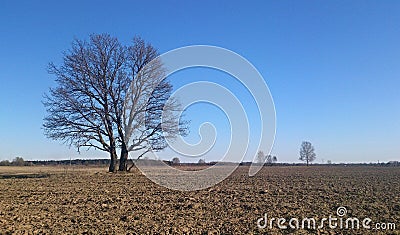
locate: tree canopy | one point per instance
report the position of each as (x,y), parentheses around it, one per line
(110,96)
(307,153)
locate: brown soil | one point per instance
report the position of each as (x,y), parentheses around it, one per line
(91,201)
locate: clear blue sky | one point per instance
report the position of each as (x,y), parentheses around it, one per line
(333,67)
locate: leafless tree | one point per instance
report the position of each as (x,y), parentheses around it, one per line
(110,96)
(19,161)
(274,159)
(149,115)
(79,108)
(260,157)
(5,163)
(307,153)
(268,159)
(176,161)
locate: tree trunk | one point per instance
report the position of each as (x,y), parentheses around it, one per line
(307,161)
(113,162)
(123,160)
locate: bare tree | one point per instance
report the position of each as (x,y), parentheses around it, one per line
(268,159)
(110,96)
(176,160)
(79,108)
(18,161)
(261,157)
(274,159)
(5,163)
(149,115)
(307,153)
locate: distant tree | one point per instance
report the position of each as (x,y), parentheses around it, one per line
(201,161)
(18,161)
(393,163)
(261,157)
(268,159)
(274,159)
(307,153)
(5,163)
(329,162)
(176,160)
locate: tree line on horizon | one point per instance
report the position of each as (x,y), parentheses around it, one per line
(307,154)
(19,161)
